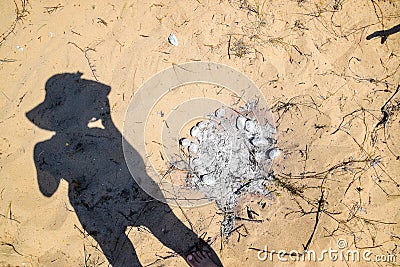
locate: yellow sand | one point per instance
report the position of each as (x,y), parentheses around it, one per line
(312,62)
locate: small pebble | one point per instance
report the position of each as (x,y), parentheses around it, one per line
(202,125)
(250,126)
(259,142)
(240,122)
(274,153)
(195,131)
(208,179)
(194,148)
(219,113)
(172,39)
(185,142)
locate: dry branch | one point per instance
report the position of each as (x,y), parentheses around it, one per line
(20,15)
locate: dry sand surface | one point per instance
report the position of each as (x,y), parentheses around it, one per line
(332,93)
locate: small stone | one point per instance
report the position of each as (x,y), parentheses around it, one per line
(208,179)
(259,142)
(274,153)
(219,113)
(172,39)
(194,180)
(240,122)
(194,148)
(195,131)
(185,142)
(250,126)
(202,125)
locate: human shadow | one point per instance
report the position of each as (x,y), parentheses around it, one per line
(384,34)
(101,189)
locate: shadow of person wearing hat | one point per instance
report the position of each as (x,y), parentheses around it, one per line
(103,193)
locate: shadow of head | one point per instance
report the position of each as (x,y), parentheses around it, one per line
(70,102)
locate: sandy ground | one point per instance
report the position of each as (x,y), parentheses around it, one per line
(326,84)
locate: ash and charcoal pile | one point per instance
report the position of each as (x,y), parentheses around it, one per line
(229,156)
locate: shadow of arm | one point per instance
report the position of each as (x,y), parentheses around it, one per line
(48,183)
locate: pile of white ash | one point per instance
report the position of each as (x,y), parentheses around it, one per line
(229,156)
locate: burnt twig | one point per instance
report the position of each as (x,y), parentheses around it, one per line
(21,13)
(317,216)
(85,52)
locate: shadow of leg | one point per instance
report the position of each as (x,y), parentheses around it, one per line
(117,248)
(173,233)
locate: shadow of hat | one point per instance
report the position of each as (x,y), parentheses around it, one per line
(70,101)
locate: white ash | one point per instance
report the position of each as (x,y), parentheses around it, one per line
(229,156)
